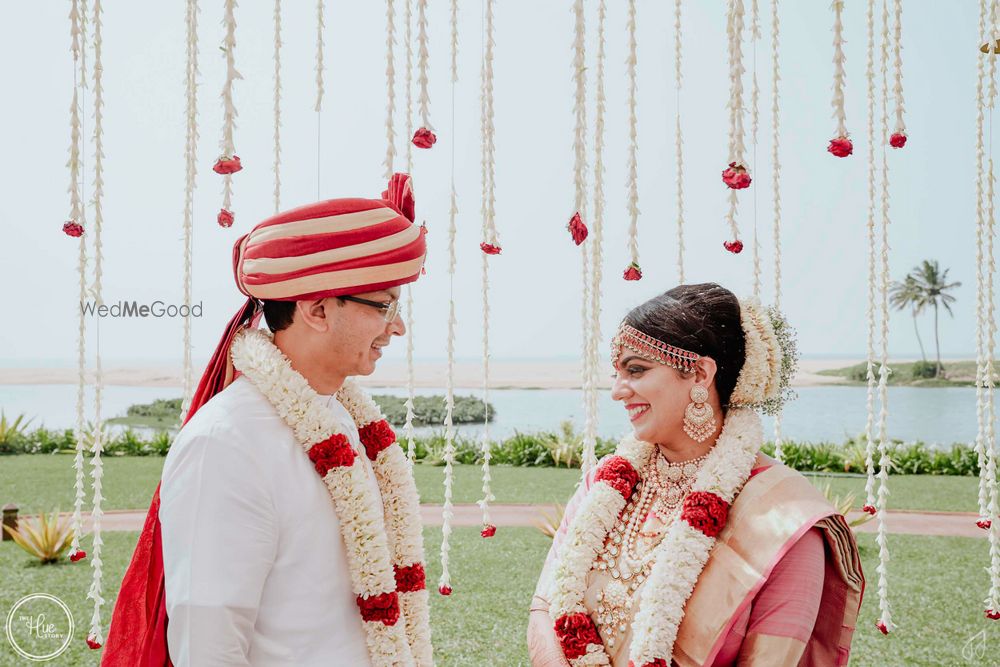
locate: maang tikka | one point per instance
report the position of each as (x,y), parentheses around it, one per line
(699,418)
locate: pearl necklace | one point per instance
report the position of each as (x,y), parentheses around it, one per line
(662,491)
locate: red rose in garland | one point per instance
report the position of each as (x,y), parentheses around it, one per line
(376,436)
(618,473)
(444,590)
(73,229)
(633,272)
(93,643)
(225,218)
(705,512)
(574,632)
(490,249)
(226,165)
(993,615)
(882,628)
(424,138)
(898,139)
(381,608)
(577,229)
(736,176)
(489,530)
(735,247)
(840,147)
(984,524)
(333,452)
(409,579)
(78,556)
(869,508)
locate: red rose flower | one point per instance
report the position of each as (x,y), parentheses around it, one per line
(382,608)
(444,590)
(490,249)
(870,509)
(411,578)
(897,140)
(93,643)
(735,247)
(618,473)
(705,512)
(225,218)
(424,138)
(574,632)
(400,194)
(227,165)
(577,229)
(736,176)
(489,530)
(984,524)
(73,229)
(376,436)
(841,147)
(633,272)
(333,452)
(881,627)
(78,556)
(993,615)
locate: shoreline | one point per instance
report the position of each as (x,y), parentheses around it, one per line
(467,375)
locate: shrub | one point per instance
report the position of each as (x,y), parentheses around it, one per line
(923,370)
(46,538)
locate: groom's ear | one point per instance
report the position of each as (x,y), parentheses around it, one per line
(315,313)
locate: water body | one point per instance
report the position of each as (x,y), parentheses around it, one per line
(828,413)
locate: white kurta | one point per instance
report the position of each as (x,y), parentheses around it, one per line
(255,566)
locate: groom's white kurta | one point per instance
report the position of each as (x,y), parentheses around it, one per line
(255,566)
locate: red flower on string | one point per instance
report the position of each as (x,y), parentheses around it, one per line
(993,615)
(633,272)
(333,452)
(984,524)
(382,608)
(574,632)
(882,628)
(490,249)
(736,176)
(869,508)
(225,218)
(226,165)
(489,530)
(93,643)
(444,590)
(841,147)
(618,473)
(705,512)
(411,578)
(78,556)
(898,139)
(735,247)
(376,436)
(424,138)
(577,229)
(73,229)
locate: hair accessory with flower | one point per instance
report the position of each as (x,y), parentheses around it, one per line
(770,360)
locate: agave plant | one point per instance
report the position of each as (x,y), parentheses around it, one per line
(46,540)
(565,447)
(11,430)
(845,505)
(549,521)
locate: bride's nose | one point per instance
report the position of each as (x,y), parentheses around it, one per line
(620,390)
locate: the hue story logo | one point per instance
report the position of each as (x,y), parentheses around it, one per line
(39,627)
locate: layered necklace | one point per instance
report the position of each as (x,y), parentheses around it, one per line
(629,550)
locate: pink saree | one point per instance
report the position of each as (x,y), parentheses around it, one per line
(782,586)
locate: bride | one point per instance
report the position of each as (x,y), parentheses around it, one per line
(688,546)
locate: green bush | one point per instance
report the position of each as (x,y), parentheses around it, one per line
(924,370)
(430,410)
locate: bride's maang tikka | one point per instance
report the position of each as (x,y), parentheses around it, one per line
(651,349)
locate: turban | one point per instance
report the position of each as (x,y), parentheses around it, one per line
(330,248)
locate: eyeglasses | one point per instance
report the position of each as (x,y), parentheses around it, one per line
(390,309)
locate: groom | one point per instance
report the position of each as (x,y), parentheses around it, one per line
(248,556)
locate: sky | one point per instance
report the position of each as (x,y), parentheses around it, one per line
(535,285)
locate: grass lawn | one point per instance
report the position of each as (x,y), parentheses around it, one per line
(39,482)
(936,589)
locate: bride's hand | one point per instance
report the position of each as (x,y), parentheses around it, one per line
(543,647)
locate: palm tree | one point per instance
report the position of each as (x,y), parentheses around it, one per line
(907,294)
(934,286)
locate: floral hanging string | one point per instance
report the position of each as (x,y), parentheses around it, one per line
(776,185)
(632,271)
(899,136)
(424,137)
(840,145)
(390,84)
(277,105)
(228,163)
(679,143)
(190,174)
(736,176)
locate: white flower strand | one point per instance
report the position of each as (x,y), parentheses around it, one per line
(424,100)
(734,33)
(897,87)
(885,610)
(228,107)
(679,143)
(408,41)
(981,175)
(776,185)
(597,257)
(754,123)
(839,73)
(190,173)
(97,434)
(277,105)
(870,442)
(390,84)
(631,169)
(320,25)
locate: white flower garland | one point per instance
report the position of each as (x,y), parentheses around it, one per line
(228,106)
(320,25)
(408,40)
(679,143)
(839,74)
(408,424)
(897,88)
(277,105)
(679,558)
(981,229)
(631,168)
(390,84)
(776,185)
(734,33)
(870,442)
(423,56)
(759,380)
(190,174)
(377,539)
(754,126)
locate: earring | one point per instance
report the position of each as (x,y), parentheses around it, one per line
(699,418)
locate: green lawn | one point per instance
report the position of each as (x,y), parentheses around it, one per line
(45,482)
(936,588)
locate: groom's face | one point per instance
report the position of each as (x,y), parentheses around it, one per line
(359,331)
